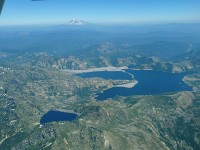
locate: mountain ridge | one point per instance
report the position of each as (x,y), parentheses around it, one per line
(77,22)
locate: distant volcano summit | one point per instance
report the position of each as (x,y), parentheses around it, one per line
(77,22)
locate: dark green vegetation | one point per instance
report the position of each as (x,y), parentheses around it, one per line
(33,83)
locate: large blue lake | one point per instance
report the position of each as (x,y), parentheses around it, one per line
(149,82)
(56,116)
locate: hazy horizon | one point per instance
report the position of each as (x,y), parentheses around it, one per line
(100,12)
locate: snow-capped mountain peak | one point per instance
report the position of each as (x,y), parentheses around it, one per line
(77,22)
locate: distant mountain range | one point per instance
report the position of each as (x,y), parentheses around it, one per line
(77,22)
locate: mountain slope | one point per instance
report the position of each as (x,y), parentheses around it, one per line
(77,22)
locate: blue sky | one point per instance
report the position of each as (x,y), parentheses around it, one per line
(100,11)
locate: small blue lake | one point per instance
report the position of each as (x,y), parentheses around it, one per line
(149,82)
(56,116)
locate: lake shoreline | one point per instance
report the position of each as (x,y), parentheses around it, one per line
(128,85)
(110,68)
